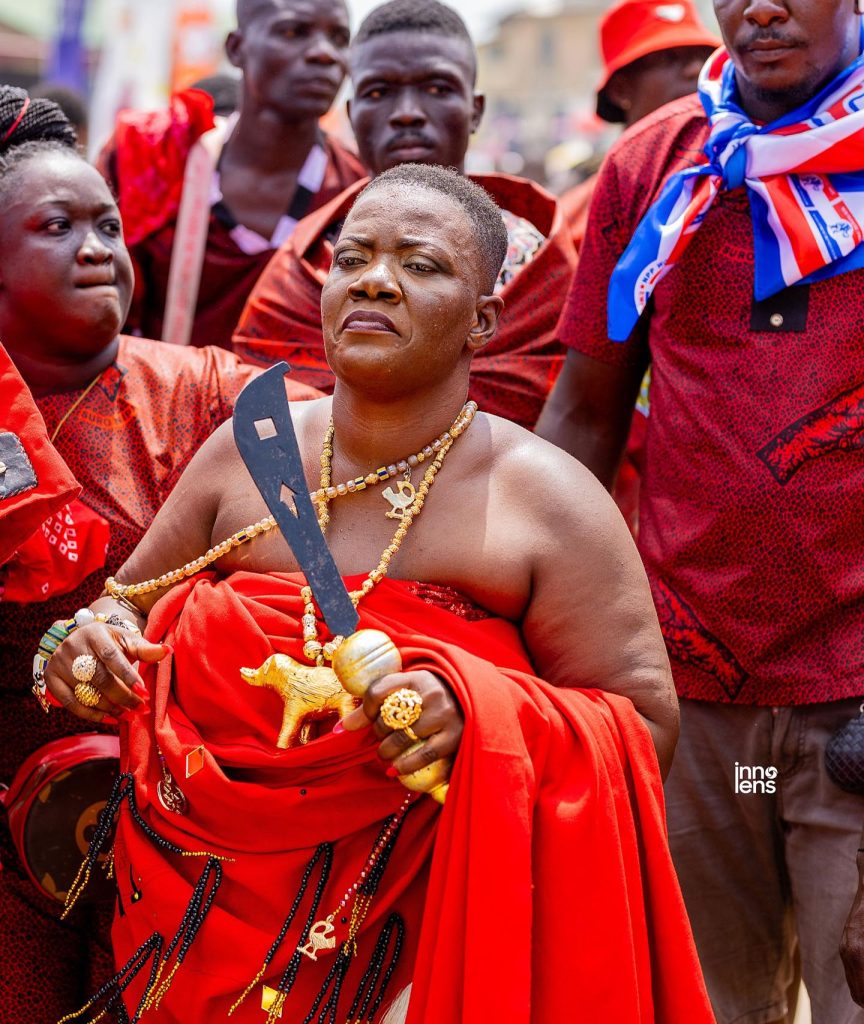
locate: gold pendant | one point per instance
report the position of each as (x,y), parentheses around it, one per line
(194,761)
(322,935)
(269,999)
(400,502)
(309,692)
(171,796)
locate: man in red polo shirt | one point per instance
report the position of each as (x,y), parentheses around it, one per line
(743,287)
(413,67)
(653,52)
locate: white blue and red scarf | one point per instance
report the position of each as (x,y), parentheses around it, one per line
(804,175)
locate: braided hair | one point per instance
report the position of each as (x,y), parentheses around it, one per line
(29,127)
(23,119)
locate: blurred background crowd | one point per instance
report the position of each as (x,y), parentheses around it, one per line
(110,54)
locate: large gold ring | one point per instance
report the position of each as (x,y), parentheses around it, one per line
(401,710)
(84,667)
(87,695)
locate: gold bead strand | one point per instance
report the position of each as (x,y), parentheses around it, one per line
(167,579)
(327,492)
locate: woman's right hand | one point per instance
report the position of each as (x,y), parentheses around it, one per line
(115,650)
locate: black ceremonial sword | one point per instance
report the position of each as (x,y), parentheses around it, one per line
(265,437)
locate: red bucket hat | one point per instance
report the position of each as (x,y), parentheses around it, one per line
(634,28)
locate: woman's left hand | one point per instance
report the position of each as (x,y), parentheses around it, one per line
(440,724)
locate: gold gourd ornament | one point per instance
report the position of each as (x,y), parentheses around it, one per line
(362,659)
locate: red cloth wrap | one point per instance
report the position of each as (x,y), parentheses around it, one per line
(551,894)
(510,377)
(22,514)
(150,148)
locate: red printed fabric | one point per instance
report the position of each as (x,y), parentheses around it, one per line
(542,891)
(511,377)
(68,546)
(575,204)
(21,514)
(145,162)
(750,523)
(127,443)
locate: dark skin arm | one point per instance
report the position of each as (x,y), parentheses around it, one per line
(589,410)
(589,621)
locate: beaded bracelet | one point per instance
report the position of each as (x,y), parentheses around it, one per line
(56,633)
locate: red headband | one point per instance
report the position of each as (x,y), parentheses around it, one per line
(18,120)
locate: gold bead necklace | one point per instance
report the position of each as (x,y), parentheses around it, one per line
(313,649)
(327,492)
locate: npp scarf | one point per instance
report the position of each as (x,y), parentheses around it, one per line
(805,179)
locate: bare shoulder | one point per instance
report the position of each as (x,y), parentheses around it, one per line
(222,446)
(544,481)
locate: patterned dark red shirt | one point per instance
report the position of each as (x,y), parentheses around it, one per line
(750,517)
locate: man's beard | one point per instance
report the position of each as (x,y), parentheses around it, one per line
(791,97)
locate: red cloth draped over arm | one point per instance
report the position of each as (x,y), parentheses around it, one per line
(22,514)
(145,160)
(551,894)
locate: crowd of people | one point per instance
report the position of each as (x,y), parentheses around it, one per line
(643,819)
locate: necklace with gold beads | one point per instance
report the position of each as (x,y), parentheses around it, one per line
(406,491)
(313,649)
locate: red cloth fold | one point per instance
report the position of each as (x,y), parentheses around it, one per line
(150,148)
(22,514)
(551,894)
(511,377)
(59,556)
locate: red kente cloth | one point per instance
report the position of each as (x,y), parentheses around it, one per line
(144,162)
(511,377)
(550,891)
(22,514)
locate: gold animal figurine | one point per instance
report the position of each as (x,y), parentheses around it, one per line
(309,694)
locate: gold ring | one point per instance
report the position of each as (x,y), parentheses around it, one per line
(409,732)
(401,710)
(87,695)
(84,667)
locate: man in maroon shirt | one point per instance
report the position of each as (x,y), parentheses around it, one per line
(750,526)
(253,176)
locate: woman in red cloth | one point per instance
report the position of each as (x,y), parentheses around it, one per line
(269,877)
(125,415)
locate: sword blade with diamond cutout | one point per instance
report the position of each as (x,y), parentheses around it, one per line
(265,437)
